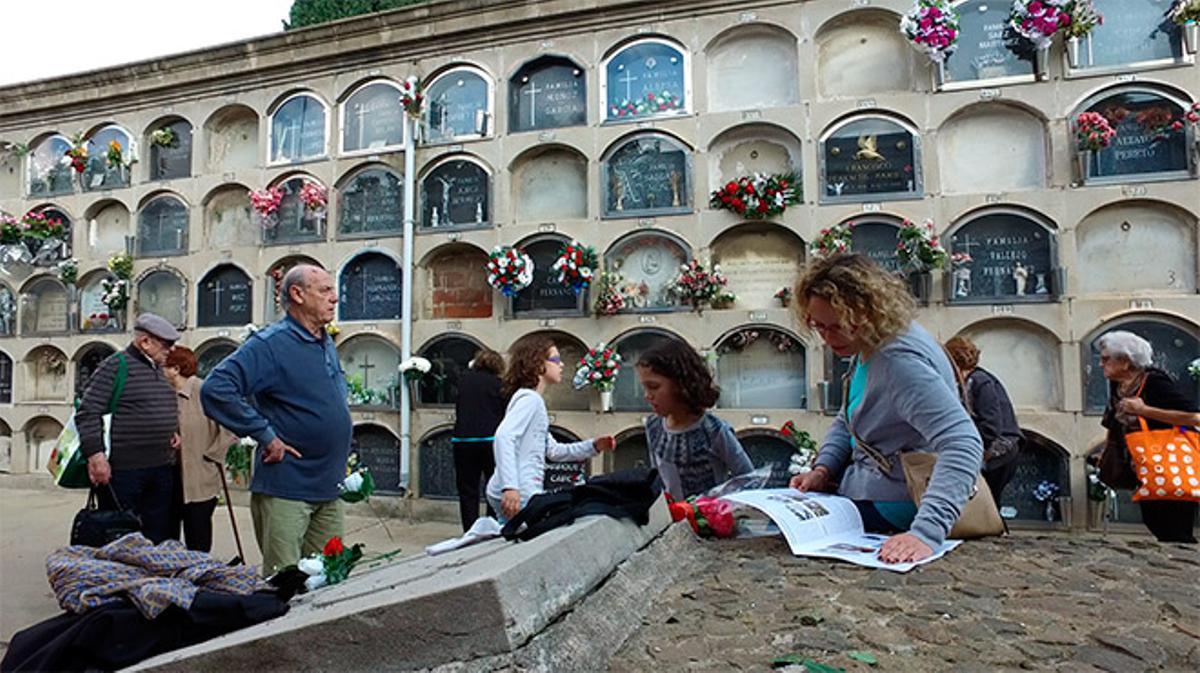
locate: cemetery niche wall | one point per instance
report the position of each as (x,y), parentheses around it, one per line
(769,448)
(45,375)
(459,105)
(545,295)
(647,263)
(759,259)
(989,52)
(224,297)
(294,221)
(1025,357)
(162,291)
(437,465)
(549,185)
(1135,33)
(87,360)
(992,147)
(748,149)
(752,67)
(46,174)
(6,378)
(1147,146)
(449,357)
(456,194)
(1136,247)
(456,283)
(1176,344)
(371,203)
(273,308)
(372,366)
(761,367)
(631,451)
(210,354)
(1012,256)
(369,288)
(565,397)
(111,153)
(1041,460)
(647,174)
(162,227)
(231,134)
(372,118)
(870,158)
(45,307)
(170,143)
(299,125)
(228,224)
(379,450)
(41,435)
(649,77)
(94,314)
(108,228)
(548,92)
(627,393)
(861,53)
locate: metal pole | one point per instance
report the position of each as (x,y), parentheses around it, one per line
(406,286)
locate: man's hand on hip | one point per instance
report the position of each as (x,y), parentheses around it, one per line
(276,450)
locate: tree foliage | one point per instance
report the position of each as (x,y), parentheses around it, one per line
(312,12)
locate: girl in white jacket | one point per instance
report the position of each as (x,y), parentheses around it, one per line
(523,442)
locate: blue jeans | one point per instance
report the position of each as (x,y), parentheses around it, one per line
(150,493)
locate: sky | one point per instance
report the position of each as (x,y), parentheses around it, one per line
(49,38)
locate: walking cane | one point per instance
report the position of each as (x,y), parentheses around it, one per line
(240,560)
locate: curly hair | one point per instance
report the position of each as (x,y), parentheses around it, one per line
(488,360)
(867,298)
(680,363)
(183,359)
(963,352)
(526,362)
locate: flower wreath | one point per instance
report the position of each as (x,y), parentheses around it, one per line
(576,266)
(509,270)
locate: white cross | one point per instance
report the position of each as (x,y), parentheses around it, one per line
(366,368)
(362,113)
(532,91)
(215,286)
(628,79)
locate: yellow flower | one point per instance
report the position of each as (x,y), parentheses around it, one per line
(114,145)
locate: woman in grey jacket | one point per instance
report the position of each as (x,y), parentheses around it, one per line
(901,396)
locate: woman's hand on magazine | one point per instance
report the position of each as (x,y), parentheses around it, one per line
(816,479)
(904,548)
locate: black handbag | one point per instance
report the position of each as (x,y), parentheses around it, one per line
(95,527)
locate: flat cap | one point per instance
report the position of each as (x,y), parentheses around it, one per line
(156,326)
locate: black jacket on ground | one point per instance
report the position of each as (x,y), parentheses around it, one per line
(480,405)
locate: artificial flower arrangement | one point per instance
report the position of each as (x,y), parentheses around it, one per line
(121,265)
(331,566)
(38,225)
(509,270)
(1084,19)
(598,368)
(163,137)
(609,298)
(575,266)
(931,26)
(647,104)
(758,196)
(1093,132)
(266,202)
(1097,490)
(358,485)
(835,240)
(68,271)
(1184,12)
(359,395)
(411,97)
(919,249)
(10,230)
(113,155)
(313,196)
(698,287)
(238,459)
(415,368)
(1194,369)
(784,295)
(805,456)
(1040,20)
(77,156)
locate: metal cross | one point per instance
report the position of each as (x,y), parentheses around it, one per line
(965,244)
(366,368)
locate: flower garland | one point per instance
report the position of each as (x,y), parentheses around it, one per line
(1084,19)
(576,266)
(1184,11)
(931,26)
(509,270)
(598,368)
(805,457)
(313,196)
(648,104)
(331,566)
(835,240)
(415,368)
(163,137)
(411,97)
(1093,132)
(609,300)
(697,287)
(919,249)
(1039,20)
(758,196)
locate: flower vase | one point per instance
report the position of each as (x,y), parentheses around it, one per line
(1043,62)
(606,401)
(1083,164)
(920,284)
(1073,46)
(1191,36)
(1064,510)
(939,74)
(1050,511)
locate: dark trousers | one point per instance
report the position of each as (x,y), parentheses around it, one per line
(197,524)
(1170,521)
(150,493)
(473,464)
(998,473)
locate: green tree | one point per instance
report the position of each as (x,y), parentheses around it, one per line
(312,12)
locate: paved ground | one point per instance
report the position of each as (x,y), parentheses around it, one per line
(34,523)
(1058,603)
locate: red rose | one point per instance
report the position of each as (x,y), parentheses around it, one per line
(749,189)
(731,188)
(334,546)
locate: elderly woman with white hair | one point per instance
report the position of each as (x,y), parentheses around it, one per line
(1137,389)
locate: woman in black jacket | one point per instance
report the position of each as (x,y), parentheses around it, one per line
(477,413)
(1137,389)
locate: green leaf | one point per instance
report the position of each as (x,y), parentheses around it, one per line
(864,657)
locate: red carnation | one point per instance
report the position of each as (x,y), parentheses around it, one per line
(731,188)
(334,546)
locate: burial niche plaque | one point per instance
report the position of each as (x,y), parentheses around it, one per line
(1145,142)
(379,450)
(647,175)
(163,293)
(546,294)
(870,157)
(455,195)
(370,288)
(173,159)
(6,379)
(46,307)
(877,240)
(1134,31)
(294,221)
(647,263)
(94,314)
(87,364)
(646,79)
(1012,259)
(372,204)
(761,368)
(758,259)
(437,466)
(987,49)
(564,475)
(769,450)
(458,107)
(1174,348)
(374,364)
(373,118)
(449,358)
(47,174)
(210,356)
(163,227)
(298,130)
(226,298)
(546,94)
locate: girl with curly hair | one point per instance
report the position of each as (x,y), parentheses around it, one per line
(692,448)
(523,441)
(901,396)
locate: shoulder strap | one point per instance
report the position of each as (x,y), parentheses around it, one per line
(882,462)
(118,383)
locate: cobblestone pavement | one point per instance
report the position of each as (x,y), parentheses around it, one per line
(1057,603)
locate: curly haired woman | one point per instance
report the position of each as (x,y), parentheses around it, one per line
(692,449)
(523,441)
(901,396)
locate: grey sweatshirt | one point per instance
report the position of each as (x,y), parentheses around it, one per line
(910,403)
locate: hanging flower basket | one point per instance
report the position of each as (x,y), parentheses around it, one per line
(1038,21)
(1186,15)
(697,287)
(835,240)
(758,196)
(509,270)
(575,266)
(314,197)
(411,97)
(931,26)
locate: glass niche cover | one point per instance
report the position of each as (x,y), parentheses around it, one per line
(647,175)
(869,158)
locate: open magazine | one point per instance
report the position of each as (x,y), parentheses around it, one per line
(826,526)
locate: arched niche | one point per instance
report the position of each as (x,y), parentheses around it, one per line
(273,309)
(546,93)
(648,77)
(753,66)
(870,157)
(876,237)
(1040,460)
(459,104)
(861,53)
(769,448)
(372,118)
(170,143)
(1013,257)
(748,149)
(46,174)
(50,251)
(369,288)
(227,221)
(448,356)
(647,263)
(108,228)
(5,438)
(1136,246)
(545,295)
(111,150)
(45,375)
(163,292)
(759,259)
(456,194)
(6,379)
(372,366)
(371,203)
(1134,33)
(378,449)
(1176,344)
(631,451)
(456,283)
(988,52)
(647,173)
(8,311)
(550,185)
(564,397)
(224,297)
(210,354)
(436,455)
(992,148)
(45,307)
(299,126)
(231,134)
(294,222)
(627,393)
(163,222)
(94,314)
(760,367)
(87,360)
(1147,146)
(1026,359)
(41,436)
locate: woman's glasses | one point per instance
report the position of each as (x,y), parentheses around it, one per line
(823,327)
(555,359)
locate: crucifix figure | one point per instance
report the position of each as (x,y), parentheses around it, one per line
(532,91)
(447,185)
(366,368)
(216,288)
(628,79)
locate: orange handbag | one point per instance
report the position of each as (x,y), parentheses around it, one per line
(1167,462)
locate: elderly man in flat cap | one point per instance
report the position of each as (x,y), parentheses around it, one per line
(141,464)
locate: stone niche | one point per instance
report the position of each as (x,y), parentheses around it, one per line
(94,314)
(227,221)
(107,228)
(458,106)
(87,360)
(762,368)
(1147,146)
(371,203)
(45,377)
(10,182)
(758,258)
(1136,246)
(647,174)
(373,363)
(548,92)
(457,284)
(448,357)
(232,136)
(163,227)
(767,448)
(628,394)
(5,437)
(565,397)
(378,449)
(545,295)
(1025,358)
(862,53)
(648,263)
(753,66)
(992,148)
(437,465)
(211,353)
(41,435)
(647,78)
(373,118)
(45,307)
(173,160)
(1134,31)
(272,309)
(225,297)
(631,451)
(1040,460)
(550,185)
(6,379)
(369,288)
(163,292)
(8,311)
(876,237)
(456,194)
(1013,258)
(47,175)
(752,148)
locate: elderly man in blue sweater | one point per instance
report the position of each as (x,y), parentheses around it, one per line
(286,389)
